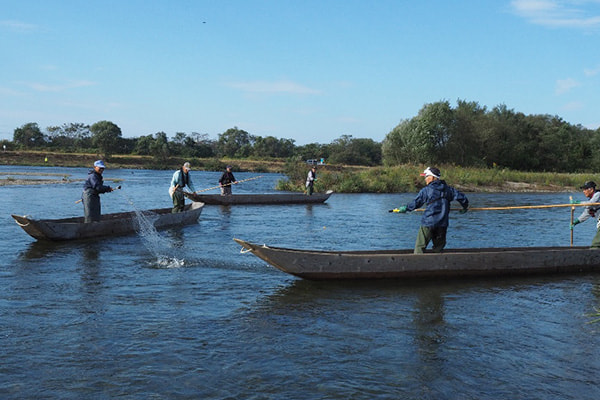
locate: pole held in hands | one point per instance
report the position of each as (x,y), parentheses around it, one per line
(113,189)
(227,184)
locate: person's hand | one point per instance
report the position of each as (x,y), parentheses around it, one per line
(575,201)
(577,221)
(464,210)
(399,210)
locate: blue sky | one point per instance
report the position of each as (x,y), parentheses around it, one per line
(306,70)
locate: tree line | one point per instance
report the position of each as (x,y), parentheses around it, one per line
(467,135)
(106,138)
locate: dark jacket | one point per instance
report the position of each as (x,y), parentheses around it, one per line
(226,178)
(437,197)
(95,182)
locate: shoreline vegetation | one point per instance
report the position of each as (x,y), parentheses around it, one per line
(340,178)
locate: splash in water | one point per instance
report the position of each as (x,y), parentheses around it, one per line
(160,247)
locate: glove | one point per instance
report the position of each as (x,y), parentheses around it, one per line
(575,201)
(577,221)
(400,209)
(464,210)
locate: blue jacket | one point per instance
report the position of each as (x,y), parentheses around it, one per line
(95,182)
(437,197)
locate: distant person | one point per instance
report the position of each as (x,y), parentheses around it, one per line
(310,180)
(589,191)
(227,179)
(92,187)
(181,179)
(437,195)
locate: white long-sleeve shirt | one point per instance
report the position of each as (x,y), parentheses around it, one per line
(590,211)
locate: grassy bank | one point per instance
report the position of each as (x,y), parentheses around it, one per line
(86,160)
(406,178)
(342,179)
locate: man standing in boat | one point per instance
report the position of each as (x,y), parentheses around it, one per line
(227,179)
(437,196)
(92,187)
(589,191)
(310,180)
(181,178)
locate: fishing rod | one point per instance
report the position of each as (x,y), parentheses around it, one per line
(80,200)
(573,205)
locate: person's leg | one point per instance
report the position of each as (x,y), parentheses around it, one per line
(596,240)
(423,238)
(439,238)
(178,202)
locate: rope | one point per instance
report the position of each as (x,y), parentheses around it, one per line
(22,225)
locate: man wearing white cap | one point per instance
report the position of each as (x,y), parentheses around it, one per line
(92,187)
(181,178)
(437,195)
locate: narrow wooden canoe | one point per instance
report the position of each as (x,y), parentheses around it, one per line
(320,265)
(110,225)
(267,198)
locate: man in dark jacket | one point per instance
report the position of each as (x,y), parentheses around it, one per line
(227,179)
(92,187)
(437,196)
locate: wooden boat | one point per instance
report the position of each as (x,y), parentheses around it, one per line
(110,225)
(267,198)
(320,265)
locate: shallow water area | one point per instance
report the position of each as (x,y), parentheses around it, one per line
(182,313)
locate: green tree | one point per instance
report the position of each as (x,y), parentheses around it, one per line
(106,137)
(348,150)
(234,142)
(159,148)
(272,147)
(29,136)
(73,136)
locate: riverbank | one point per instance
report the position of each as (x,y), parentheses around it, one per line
(341,179)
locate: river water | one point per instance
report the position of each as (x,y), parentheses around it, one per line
(185,315)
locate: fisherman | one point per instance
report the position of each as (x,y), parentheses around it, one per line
(310,180)
(227,179)
(181,179)
(437,195)
(589,191)
(92,187)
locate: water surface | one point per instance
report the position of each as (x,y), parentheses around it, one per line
(185,315)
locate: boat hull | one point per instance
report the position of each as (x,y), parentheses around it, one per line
(267,198)
(110,225)
(404,264)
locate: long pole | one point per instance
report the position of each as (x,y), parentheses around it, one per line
(227,184)
(572,215)
(520,207)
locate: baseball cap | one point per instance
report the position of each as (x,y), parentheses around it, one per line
(99,164)
(588,184)
(432,171)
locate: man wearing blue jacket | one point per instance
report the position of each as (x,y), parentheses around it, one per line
(437,196)
(92,188)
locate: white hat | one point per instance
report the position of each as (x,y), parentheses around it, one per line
(432,171)
(99,164)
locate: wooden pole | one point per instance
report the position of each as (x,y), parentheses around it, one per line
(572,214)
(227,184)
(520,207)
